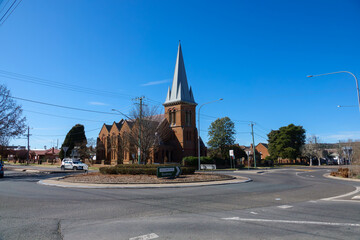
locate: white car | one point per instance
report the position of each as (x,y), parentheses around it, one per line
(73,164)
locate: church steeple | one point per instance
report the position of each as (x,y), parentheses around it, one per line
(180,91)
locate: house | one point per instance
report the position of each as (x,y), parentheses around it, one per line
(262,148)
(175,129)
(44,155)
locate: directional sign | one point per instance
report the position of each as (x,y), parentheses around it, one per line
(171,172)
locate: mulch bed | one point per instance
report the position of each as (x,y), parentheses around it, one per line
(142,179)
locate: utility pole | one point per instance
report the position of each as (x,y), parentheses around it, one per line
(140,116)
(28,146)
(252,133)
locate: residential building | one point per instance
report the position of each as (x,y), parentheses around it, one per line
(262,148)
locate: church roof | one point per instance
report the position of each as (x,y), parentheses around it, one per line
(179,91)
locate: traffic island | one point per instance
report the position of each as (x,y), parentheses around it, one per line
(97,180)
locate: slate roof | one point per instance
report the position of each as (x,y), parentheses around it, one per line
(108,127)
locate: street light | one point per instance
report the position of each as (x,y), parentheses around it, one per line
(357,84)
(341,106)
(199,128)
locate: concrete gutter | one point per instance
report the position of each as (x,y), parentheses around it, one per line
(57,183)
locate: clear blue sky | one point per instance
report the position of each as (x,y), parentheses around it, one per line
(254,54)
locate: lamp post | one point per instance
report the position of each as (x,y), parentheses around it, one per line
(199,128)
(357,83)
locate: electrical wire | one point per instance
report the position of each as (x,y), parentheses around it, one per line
(62,135)
(10,12)
(4,5)
(65,86)
(53,115)
(261,136)
(60,106)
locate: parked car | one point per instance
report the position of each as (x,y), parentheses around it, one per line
(1,169)
(73,164)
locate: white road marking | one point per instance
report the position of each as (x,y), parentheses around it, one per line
(356,197)
(341,196)
(285,206)
(311,176)
(253,213)
(277,199)
(292,222)
(313,201)
(145,237)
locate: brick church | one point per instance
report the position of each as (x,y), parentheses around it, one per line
(179,121)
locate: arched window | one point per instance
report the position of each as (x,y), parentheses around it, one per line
(172,116)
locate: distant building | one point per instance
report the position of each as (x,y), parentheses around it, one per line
(262,148)
(179,120)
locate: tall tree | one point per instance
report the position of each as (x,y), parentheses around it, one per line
(75,138)
(221,134)
(153,131)
(12,123)
(286,142)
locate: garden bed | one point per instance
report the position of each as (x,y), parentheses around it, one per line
(142,179)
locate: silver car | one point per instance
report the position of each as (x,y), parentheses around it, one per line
(73,164)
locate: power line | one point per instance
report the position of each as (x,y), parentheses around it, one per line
(261,136)
(10,12)
(53,115)
(7,10)
(241,121)
(4,5)
(62,135)
(60,106)
(259,129)
(63,86)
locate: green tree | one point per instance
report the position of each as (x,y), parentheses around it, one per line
(75,138)
(286,142)
(221,134)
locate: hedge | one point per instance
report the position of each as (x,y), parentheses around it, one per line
(193,161)
(135,169)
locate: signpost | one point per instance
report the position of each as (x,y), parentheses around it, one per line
(232,157)
(170,172)
(65,150)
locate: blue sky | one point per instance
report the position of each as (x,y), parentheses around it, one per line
(254,54)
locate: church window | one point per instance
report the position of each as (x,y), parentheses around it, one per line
(188,118)
(170,117)
(174,117)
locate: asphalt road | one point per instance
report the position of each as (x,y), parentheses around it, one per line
(277,204)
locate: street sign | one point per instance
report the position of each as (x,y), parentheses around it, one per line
(65,150)
(231,153)
(170,172)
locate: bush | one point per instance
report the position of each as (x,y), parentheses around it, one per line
(193,161)
(136,169)
(341,172)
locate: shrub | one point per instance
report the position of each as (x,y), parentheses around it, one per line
(341,172)
(135,169)
(193,161)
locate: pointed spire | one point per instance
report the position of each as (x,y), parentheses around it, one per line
(168,95)
(180,90)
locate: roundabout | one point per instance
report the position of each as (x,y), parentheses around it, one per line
(96,180)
